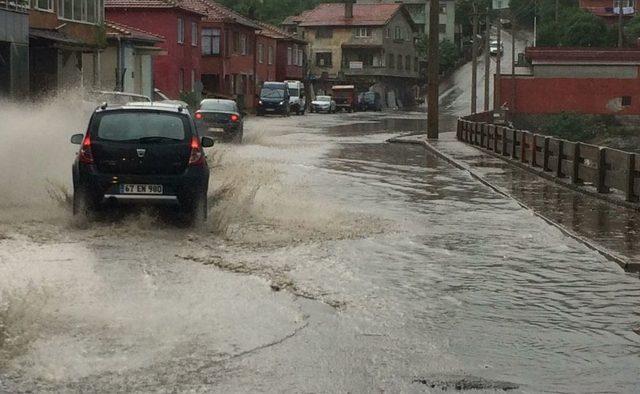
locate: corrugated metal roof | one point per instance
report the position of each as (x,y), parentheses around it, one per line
(559,54)
(277,33)
(333,14)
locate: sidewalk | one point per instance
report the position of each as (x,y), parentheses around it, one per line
(610,229)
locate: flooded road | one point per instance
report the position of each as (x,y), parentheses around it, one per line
(332,262)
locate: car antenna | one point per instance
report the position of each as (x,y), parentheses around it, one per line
(103,105)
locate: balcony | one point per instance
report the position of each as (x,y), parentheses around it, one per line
(357,69)
(15,5)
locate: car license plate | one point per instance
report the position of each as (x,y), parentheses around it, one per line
(216,130)
(140,189)
(271,109)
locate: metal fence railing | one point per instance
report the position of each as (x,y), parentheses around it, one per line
(15,5)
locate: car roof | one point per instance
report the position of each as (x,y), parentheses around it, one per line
(218,100)
(164,107)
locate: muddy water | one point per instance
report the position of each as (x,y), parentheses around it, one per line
(332,262)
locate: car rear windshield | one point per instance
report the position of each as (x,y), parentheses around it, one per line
(215,105)
(272,93)
(138,126)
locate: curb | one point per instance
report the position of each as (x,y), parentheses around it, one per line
(623,262)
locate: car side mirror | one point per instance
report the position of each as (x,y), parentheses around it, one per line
(207,142)
(77,139)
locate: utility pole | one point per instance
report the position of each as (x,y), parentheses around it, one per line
(433,69)
(474,61)
(513,62)
(496,83)
(487,61)
(620,24)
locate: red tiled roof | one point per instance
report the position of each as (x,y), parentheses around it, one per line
(120,30)
(216,12)
(150,4)
(274,32)
(332,14)
(611,55)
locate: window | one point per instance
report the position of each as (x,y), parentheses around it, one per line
(295,55)
(626,101)
(47,5)
(180,31)
(270,55)
(181,80)
(443,28)
(260,53)
(416,64)
(236,42)
(300,58)
(387,32)
(323,59)
(398,35)
(324,32)
(399,62)
(194,34)
(210,41)
(288,56)
(244,46)
(443,9)
(407,63)
(75,10)
(391,62)
(363,32)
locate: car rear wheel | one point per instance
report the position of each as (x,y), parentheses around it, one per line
(237,138)
(84,205)
(196,209)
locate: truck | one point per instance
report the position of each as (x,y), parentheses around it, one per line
(345,97)
(297,100)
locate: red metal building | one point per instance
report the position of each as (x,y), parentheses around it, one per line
(583,80)
(178,70)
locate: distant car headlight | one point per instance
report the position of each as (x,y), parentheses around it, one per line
(259,102)
(281,102)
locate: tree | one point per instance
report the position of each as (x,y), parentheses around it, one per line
(449,56)
(632,30)
(586,30)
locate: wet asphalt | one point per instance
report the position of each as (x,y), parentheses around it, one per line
(332,262)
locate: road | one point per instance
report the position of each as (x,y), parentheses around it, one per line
(332,262)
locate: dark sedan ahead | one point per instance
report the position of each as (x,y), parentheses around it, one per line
(220,119)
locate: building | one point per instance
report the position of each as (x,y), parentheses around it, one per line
(177,70)
(127,61)
(14,48)
(228,52)
(419,11)
(582,80)
(369,45)
(608,9)
(65,40)
(290,54)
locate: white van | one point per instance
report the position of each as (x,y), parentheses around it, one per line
(297,100)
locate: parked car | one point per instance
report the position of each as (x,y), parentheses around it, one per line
(369,101)
(323,104)
(494,48)
(297,98)
(141,153)
(220,119)
(160,97)
(274,99)
(345,97)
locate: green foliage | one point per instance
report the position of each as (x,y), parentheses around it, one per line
(576,28)
(191,98)
(632,29)
(272,11)
(422,45)
(577,127)
(449,56)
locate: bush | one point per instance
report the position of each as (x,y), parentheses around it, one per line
(191,98)
(577,127)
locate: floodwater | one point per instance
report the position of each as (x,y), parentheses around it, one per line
(332,262)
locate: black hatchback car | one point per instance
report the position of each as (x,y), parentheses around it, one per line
(220,119)
(143,153)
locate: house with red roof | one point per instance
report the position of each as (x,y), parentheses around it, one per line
(369,45)
(127,61)
(228,45)
(177,68)
(290,53)
(608,9)
(582,80)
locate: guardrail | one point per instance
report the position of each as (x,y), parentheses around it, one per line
(582,164)
(15,5)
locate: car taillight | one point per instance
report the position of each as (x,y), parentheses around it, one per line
(197,157)
(198,115)
(235,118)
(85,156)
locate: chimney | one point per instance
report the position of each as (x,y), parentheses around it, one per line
(348,9)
